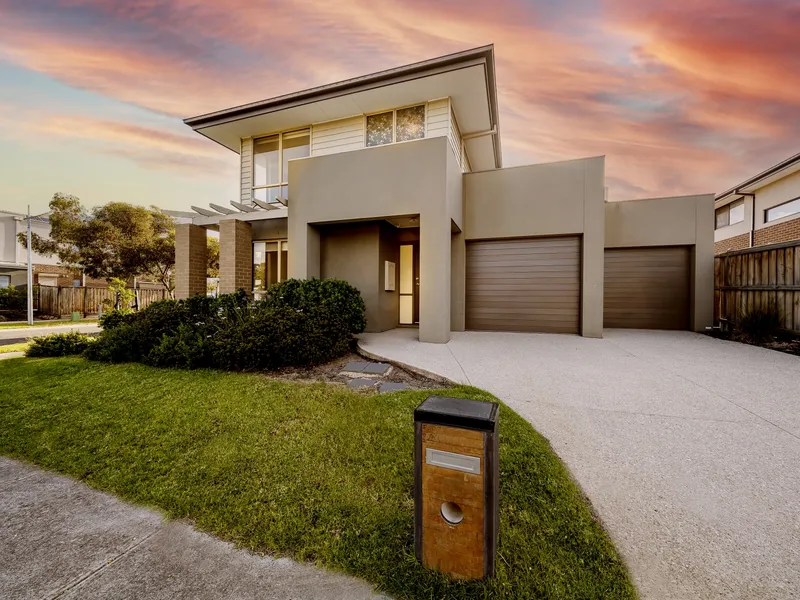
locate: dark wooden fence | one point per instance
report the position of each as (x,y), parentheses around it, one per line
(756,278)
(61,301)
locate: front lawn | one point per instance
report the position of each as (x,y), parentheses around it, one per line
(20,347)
(311,471)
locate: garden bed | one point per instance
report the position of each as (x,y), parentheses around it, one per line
(312,471)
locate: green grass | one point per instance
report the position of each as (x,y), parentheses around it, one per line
(21,347)
(310,471)
(46,324)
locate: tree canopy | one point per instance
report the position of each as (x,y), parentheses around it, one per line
(115,240)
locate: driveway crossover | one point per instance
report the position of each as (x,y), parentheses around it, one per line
(688,447)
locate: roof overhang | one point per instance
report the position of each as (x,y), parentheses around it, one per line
(782,169)
(468,78)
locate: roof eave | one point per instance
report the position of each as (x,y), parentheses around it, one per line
(756,178)
(349,85)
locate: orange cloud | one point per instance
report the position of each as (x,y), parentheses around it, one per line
(681,97)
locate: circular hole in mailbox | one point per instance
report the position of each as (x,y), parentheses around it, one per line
(452,513)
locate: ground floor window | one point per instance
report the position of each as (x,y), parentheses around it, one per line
(270,263)
(5,281)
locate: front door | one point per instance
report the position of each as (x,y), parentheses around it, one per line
(409,283)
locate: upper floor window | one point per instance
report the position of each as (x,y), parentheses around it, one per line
(401,125)
(271,156)
(730,214)
(782,210)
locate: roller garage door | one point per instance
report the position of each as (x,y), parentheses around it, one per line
(647,288)
(529,284)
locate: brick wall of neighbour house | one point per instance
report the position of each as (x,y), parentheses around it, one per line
(788,231)
(235,256)
(737,242)
(190,260)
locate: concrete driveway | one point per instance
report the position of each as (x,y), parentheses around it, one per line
(688,447)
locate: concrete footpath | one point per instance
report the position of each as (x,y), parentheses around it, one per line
(61,539)
(20,334)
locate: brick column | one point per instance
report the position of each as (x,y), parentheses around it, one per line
(190,260)
(235,256)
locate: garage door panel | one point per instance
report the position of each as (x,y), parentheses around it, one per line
(524,285)
(647,288)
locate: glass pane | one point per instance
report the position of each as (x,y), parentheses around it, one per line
(272,263)
(267,194)
(379,129)
(259,266)
(295,145)
(406,310)
(406,269)
(284,263)
(736,213)
(722,217)
(411,123)
(265,161)
(784,210)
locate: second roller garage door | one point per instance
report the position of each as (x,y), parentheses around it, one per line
(647,288)
(528,285)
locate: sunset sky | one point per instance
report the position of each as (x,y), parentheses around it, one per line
(685,96)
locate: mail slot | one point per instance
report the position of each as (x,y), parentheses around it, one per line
(456,486)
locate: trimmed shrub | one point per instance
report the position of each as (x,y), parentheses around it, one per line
(115,318)
(760,324)
(336,295)
(230,332)
(59,344)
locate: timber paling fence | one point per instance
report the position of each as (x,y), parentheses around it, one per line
(756,278)
(61,301)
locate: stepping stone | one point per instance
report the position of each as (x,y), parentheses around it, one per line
(391,386)
(356,367)
(377,368)
(354,384)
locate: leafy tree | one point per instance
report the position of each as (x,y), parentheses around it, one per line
(213,257)
(116,240)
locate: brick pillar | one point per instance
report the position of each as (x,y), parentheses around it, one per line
(235,256)
(190,260)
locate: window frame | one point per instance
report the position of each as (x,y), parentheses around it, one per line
(282,242)
(394,124)
(766,211)
(726,210)
(281,174)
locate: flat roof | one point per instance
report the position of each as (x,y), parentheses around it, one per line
(467,77)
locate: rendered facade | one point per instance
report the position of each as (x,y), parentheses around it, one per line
(394,182)
(762,210)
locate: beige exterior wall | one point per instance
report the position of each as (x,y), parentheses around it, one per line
(246,171)
(356,253)
(676,221)
(372,184)
(563,198)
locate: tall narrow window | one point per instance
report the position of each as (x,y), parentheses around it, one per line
(271,156)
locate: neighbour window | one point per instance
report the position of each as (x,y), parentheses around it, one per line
(5,281)
(782,210)
(271,156)
(730,214)
(270,263)
(400,125)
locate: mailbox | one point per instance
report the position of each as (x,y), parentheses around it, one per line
(456,486)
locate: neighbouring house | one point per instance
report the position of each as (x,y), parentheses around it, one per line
(14,256)
(762,210)
(394,182)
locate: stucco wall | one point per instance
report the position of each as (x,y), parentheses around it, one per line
(675,221)
(374,183)
(270,229)
(388,302)
(541,200)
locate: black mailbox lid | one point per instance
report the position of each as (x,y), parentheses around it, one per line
(457,412)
